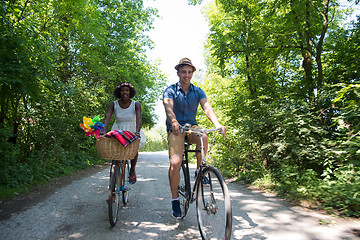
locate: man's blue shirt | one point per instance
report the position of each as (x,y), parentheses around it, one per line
(185,105)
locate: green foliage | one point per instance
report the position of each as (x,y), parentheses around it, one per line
(60,61)
(339,195)
(342,193)
(284,80)
(156,140)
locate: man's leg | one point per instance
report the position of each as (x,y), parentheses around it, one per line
(174,174)
(176,149)
(198,156)
(195,139)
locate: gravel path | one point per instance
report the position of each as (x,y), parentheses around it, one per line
(77,210)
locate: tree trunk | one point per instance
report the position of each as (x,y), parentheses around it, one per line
(306,47)
(307,61)
(247,58)
(15,121)
(319,48)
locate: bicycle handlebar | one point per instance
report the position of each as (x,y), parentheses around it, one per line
(187,127)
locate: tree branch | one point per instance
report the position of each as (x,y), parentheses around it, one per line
(23,10)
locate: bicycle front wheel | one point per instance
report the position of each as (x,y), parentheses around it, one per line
(213,205)
(184,190)
(114,194)
(125,181)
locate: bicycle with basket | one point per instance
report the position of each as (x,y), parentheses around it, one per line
(119,185)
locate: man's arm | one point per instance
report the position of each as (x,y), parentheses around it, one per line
(210,113)
(170,115)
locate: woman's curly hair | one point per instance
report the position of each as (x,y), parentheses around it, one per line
(124,84)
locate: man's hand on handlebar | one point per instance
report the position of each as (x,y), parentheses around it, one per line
(223,130)
(188,127)
(175,128)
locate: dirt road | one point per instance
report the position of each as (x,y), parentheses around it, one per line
(79,211)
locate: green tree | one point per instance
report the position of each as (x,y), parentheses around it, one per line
(60,61)
(292,93)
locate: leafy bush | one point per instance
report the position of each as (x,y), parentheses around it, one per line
(156,140)
(46,159)
(342,193)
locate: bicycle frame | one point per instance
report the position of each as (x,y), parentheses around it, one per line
(121,165)
(209,191)
(118,186)
(191,195)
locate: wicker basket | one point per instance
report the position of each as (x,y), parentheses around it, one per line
(111,148)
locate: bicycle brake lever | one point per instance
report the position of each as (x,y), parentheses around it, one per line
(187,126)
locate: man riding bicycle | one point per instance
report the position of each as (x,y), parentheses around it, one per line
(181,101)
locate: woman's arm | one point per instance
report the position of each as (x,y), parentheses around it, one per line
(138,118)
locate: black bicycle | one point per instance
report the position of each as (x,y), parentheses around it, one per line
(213,205)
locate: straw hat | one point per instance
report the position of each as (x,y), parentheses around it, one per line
(185,61)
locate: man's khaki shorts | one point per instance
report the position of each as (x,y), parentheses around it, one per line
(176,143)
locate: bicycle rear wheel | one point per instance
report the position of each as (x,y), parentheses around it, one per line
(184,190)
(125,182)
(213,206)
(114,194)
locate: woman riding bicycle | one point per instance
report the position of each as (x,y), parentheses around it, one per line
(127,114)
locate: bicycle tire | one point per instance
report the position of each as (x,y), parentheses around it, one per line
(114,195)
(126,183)
(184,190)
(213,206)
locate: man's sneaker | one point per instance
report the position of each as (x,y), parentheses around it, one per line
(205,181)
(176,210)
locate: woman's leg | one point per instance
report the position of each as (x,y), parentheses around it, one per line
(132,176)
(133,164)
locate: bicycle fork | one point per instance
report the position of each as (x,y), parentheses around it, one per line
(118,169)
(122,176)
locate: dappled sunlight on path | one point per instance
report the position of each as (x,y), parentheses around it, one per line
(79,211)
(258,215)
